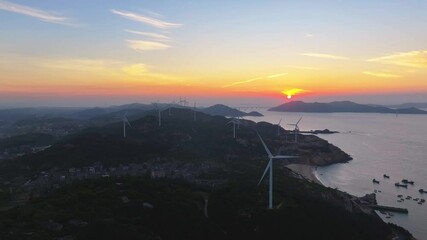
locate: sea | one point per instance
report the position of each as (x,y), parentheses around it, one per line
(395,145)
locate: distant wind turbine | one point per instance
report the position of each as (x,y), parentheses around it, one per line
(194,110)
(269,169)
(296,129)
(234,122)
(159,113)
(278,127)
(125,121)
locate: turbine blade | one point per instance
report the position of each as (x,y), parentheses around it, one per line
(265,171)
(265,146)
(127,121)
(298,121)
(280,121)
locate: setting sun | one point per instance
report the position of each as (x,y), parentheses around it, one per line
(292,92)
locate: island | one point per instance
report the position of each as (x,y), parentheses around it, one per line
(341,106)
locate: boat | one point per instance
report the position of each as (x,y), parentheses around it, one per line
(406,181)
(386,176)
(408,197)
(375,181)
(422,191)
(400,195)
(400,185)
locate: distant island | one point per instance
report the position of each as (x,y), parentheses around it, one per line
(341,106)
(409,105)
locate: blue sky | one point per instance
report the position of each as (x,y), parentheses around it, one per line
(202,46)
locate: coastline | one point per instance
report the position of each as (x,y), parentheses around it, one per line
(307,171)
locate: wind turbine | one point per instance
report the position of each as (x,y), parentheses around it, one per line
(159,113)
(234,122)
(125,121)
(278,127)
(296,129)
(269,169)
(194,110)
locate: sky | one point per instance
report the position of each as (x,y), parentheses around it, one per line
(80,53)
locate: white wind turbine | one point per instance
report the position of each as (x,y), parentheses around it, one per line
(269,168)
(194,111)
(278,127)
(234,122)
(125,121)
(296,129)
(159,113)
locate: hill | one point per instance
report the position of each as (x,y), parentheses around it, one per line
(178,139)
(184,179)
(409,105)
(343,106)
(223,110)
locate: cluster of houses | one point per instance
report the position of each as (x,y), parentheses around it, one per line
(47,181)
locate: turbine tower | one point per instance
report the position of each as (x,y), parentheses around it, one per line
(296,129)
(269,169)
(125,121)
(234,122)
(156,106)
(194,110)
(278,127)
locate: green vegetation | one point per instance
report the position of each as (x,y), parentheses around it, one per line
(121,207)
(30,139)
(235,211)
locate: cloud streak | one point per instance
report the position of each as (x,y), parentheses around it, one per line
(253,80)
(382,75)
(156,36)
(325,56)
(32,12)
(305,68)
(414,59)
(146,20)
(142,46)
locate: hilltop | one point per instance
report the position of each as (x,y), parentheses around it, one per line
(223,110)
(341,106)
(180,138)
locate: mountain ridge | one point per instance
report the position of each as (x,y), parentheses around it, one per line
(341,106)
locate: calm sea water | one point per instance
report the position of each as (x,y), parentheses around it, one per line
(379,144)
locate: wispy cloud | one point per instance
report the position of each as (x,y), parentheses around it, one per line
(254,79)
(382,74)
(156,36)
(142,46)
(142,71)
(305,67)
(80,64)
(309,35)
(326,56)
(415,59)
(146,20)
(35,13)
(135,69)
(277,75)
(242,82)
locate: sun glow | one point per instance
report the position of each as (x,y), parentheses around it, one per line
(292,92)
